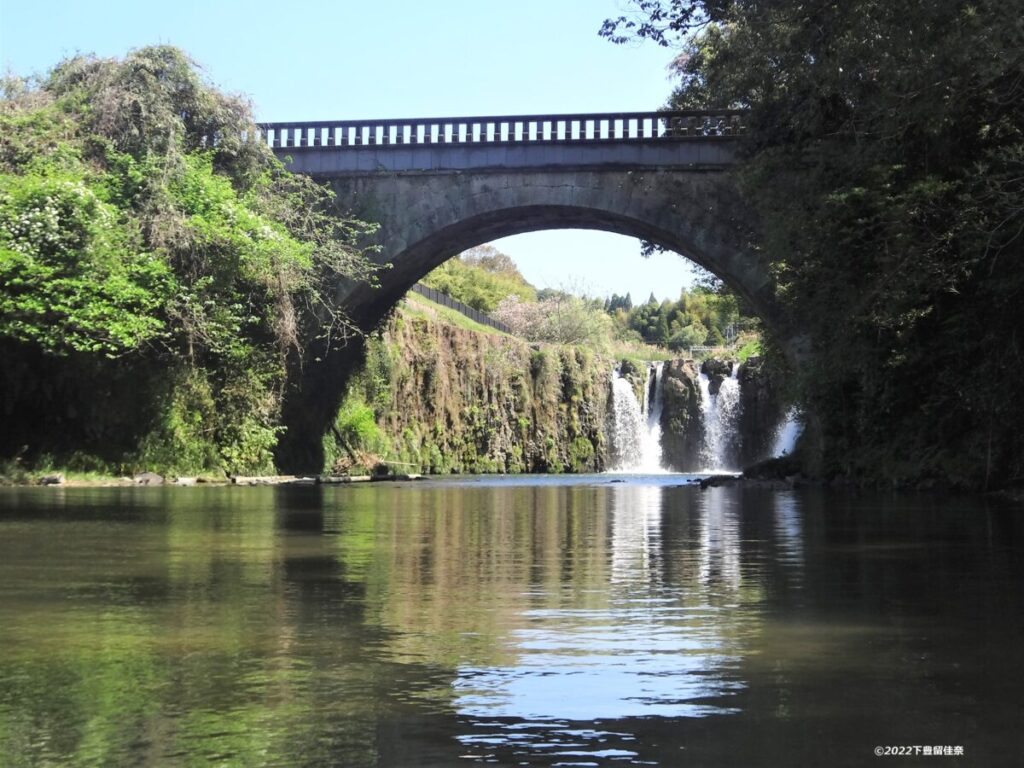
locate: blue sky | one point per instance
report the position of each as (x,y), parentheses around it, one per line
(316,59)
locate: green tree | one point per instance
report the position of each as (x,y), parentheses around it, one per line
(618,302)
(884,153)
(703,311)
(688,336)
(157,269)
(481,278)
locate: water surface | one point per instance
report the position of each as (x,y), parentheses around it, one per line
(514,621)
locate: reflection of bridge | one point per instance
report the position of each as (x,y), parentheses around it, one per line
(438,186)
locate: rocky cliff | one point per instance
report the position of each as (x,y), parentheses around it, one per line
(437,398)
(762,409)
(682,427)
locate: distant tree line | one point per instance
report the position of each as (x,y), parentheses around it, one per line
(700,316)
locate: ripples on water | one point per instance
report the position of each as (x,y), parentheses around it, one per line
(518,621)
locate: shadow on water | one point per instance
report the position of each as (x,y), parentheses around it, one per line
(512,621)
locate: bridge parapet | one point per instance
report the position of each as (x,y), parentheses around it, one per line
(618,127)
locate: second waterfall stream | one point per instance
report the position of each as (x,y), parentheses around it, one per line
(636,424)
(721,409)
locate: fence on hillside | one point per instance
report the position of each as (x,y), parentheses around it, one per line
(473,314)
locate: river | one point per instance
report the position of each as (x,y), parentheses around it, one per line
(570,621)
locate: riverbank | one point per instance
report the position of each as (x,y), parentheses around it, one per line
(62,479)
(787,474)
(757,479)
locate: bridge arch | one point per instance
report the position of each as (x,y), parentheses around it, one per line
(440,186)
(433,217)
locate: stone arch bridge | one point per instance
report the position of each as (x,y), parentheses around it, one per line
(441,185)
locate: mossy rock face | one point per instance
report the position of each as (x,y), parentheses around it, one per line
(451,400)
(629,368)
(682,424)
(581,455)
(762,409)
(715,367)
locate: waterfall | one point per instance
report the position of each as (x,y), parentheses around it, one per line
(650,461)
(720,411)
(635,426)
(626,425)
(787,433)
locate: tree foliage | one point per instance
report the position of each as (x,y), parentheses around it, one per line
(140,230)
(557,317)
(885,154)
(481,277)
(700,316)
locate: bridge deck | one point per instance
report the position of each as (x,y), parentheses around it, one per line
(587,141)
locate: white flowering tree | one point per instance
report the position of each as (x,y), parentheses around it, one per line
(558,318)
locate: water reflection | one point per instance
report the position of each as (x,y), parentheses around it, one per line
(547,623)
(649,649)
(636,533)
(719,542)
(789,534)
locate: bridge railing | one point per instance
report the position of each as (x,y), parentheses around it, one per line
(514,129)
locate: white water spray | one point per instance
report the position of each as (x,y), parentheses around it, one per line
(787,433)
(720,412)
(636,427)
(626,425)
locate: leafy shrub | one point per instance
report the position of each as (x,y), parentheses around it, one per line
(143,239)
(481,278)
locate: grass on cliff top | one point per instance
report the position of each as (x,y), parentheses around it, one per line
(420,306)
(416,305)
(640,353)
